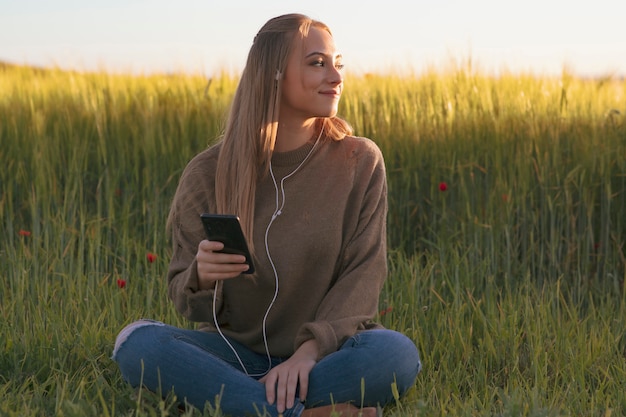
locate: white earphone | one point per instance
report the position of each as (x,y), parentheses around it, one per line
(280,205)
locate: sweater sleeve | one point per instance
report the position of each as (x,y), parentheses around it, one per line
(192,198)
(352,301)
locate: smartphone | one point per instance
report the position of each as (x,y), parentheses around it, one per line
(226,228)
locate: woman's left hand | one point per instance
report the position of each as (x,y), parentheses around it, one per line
(282,381)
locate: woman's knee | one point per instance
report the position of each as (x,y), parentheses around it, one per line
(127,332)
(400,353)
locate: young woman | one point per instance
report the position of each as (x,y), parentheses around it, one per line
(296,337)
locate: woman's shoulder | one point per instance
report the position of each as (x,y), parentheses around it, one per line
(197,180)
(204,162)
(361,146)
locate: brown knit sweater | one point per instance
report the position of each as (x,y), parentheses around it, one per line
(328,246)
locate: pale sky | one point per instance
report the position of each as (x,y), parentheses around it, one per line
(142,36)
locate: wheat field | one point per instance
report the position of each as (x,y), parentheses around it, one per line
(507,233)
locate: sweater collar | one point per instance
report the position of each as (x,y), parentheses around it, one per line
(290,158)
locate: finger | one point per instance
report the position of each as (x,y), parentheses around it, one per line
(281,392)
(292,384)
(220,271)
(218,262)
(210,256)
(304,385)
(270,387)
(210,246)
(210,251)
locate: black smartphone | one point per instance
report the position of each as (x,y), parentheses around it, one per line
(226,228)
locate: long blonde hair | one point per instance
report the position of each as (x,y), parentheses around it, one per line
(250,135)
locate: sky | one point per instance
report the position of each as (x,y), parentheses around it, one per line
(543,37)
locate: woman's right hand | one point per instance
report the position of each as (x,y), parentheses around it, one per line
(214,266)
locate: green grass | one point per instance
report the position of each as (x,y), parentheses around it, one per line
(511,281)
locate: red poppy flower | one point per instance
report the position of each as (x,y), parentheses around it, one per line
(386,311)
(151,257)
(121,283)
(443,186)
(24,233)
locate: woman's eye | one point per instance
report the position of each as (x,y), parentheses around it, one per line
(321,63)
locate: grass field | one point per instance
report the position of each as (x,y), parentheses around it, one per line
(507,233)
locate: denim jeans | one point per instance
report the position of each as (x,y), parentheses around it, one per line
(199,366)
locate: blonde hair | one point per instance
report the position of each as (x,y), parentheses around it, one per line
(250,134)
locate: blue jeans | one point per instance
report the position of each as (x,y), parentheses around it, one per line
(199,366)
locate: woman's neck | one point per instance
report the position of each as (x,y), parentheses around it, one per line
(290,137)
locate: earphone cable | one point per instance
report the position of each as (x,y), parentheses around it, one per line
(277,212)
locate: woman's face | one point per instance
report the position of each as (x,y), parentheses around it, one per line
(313,80)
